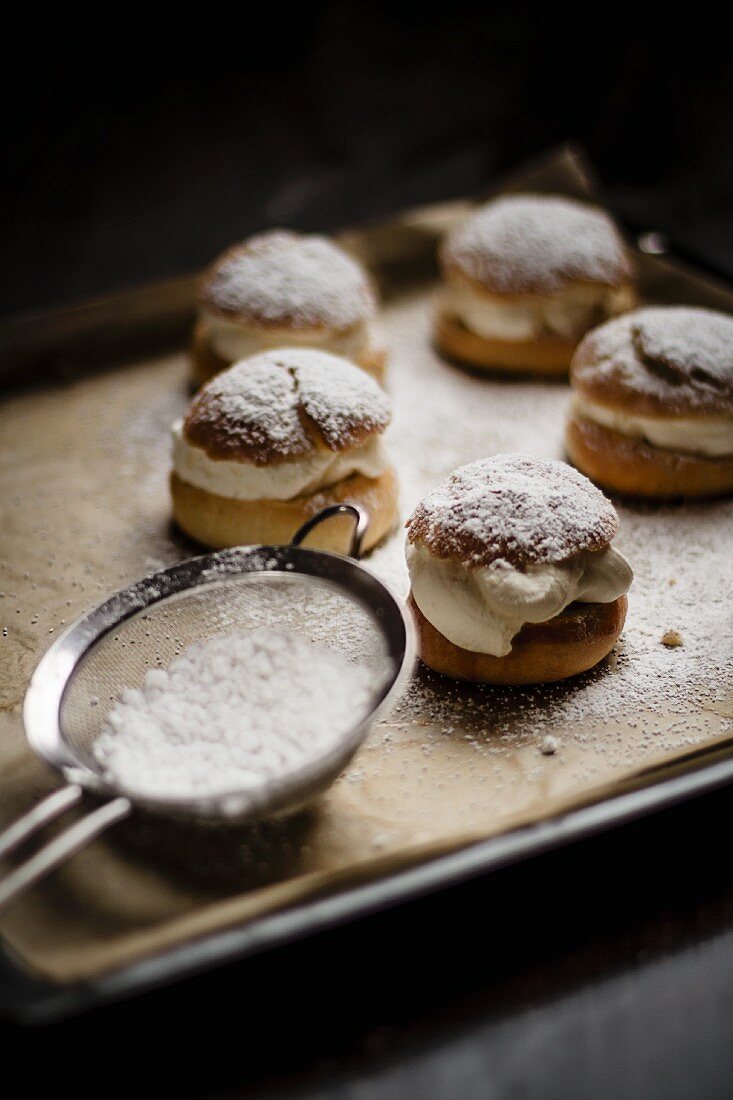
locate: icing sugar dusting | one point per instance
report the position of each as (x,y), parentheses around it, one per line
(516,508)
(265,408)
(680,356)
(668,697)
(280,278)
(341,400)
(537,243)
(252,405)
(452,758)
(230,713)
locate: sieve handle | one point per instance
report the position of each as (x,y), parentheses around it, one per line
(361,516)
(58,850)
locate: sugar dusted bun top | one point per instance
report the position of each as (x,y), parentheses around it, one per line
(662,360)
(284,404)
(514,508)
(536,244)
(283,280)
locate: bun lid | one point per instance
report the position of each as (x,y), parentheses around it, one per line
(281,279)
(660,360)
(536,244)
(283,404)
(515,508)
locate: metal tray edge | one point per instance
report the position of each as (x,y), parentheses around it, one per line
(27,1000)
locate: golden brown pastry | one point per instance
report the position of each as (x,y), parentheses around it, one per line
(652,407)
(275,438)
(525,277)
(280,289)
(513,576)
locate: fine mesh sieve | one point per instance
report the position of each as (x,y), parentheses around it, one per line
(327,599)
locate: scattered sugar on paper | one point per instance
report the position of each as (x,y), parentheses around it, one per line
(231,712)
(665,697)
(680,554)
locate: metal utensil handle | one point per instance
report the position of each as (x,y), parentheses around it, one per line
(66,844)
(360,528)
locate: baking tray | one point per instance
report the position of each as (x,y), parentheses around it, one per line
(113,346)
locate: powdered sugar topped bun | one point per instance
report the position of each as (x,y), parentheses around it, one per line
(282,405)
(536,244)
(283,280)
(514,508)
(662,361)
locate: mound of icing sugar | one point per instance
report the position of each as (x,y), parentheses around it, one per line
(231,713)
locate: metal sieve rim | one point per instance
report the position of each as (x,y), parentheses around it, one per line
(55,672)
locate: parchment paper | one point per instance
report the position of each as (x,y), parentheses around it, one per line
(85,511)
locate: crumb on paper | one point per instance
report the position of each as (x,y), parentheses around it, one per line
(549,746)
(672,639)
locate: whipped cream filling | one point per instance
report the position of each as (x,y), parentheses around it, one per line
(232,341)
(711,436)
(482,608)
(279,481)
(568,314)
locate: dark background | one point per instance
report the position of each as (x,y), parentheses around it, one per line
(122,172)
(605,970)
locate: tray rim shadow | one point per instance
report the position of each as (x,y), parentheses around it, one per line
(28,1000)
